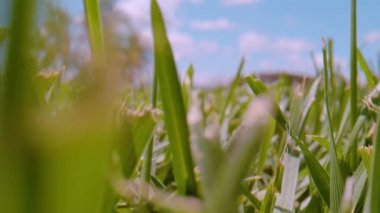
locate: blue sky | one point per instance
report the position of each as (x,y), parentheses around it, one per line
(272,35)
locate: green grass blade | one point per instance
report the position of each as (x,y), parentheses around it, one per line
(321,140)
(353,66)
(136,132)
(318,174)
(147,164)
(366,153)
(242,152)
(233,87)
(371,78)
(330,44)
(17,156)
(308,104)
(3,34)
(259,88)
(373,196)
(350,151)
(95,29)
(360,187)
(187,86)
(269,199)
(264,149)
(173,106)
(336,180)
(251,198)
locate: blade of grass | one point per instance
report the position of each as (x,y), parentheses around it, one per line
(251,198)
(350,151)
(95,29)
(360,187)
(286,199)
(371,78)
(18,159)
(353,66)
(147,164)
(3,34)
(237,161)
(373,196)
(187,86)
(308,103)
(318,174)
(173,106)
(136,132)
(366,153)
(233,87)
(269,199)
(264,149)
(330,44)
(321,140)
(336,180)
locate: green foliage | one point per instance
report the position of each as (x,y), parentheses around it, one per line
(173,106)
(86,145)
(3,34)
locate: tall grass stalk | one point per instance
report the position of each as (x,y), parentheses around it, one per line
(373,195)
(353,66)
(173,105)
(18,160)
(336,180)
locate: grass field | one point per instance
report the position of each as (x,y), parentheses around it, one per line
(85,146)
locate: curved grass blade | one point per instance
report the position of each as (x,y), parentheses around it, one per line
(137,129)
(350,151)
(318,174)
(366,153)
(251,198)
(308,103)
(336,180)
(173,106)
(373,196)
(233,87)
(95,29)
(242,152)
(371,78)
(360,187)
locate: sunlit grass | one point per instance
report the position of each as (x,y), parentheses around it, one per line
(82,145)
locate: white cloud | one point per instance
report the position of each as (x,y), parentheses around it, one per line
(373,36)
(196,1)
(240,2)
(256,42)
(139,11)
(253,42)
(208,46)
(217,24)
(184,45)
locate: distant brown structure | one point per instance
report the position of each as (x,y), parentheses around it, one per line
(270,77)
